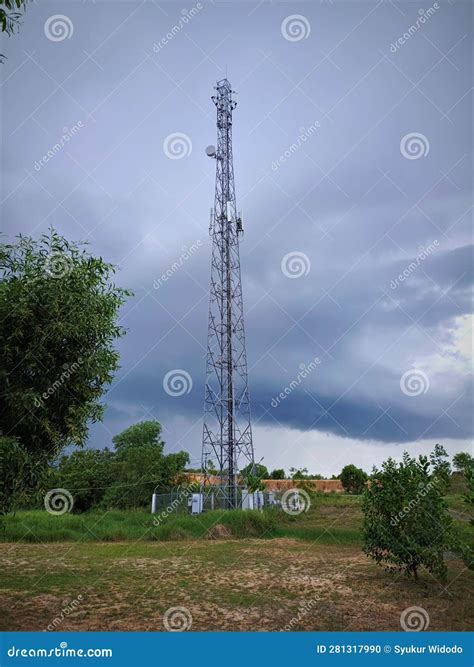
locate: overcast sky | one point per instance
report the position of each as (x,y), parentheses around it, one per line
(353,167)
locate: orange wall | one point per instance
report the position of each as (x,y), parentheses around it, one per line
(324,485)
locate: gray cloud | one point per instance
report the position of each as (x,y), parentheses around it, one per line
(345,195)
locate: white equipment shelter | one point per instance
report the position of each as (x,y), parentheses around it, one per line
(258,500)
(196,503)
(247,500)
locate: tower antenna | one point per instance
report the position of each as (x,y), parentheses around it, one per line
(227,431)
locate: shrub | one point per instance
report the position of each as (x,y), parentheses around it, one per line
(353,479)
(406,521)
(18,474)
(278,473)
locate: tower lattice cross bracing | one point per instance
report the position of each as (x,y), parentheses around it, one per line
(227,432)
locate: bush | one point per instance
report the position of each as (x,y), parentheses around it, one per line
(463,461)
(86,474)
(406,521)
(278,473)
(18,475)
(469,495)
(353,479)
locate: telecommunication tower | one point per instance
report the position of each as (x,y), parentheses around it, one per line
(227,432)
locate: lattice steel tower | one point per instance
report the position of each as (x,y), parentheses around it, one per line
(227,433)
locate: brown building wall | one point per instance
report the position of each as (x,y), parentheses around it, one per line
(322,485)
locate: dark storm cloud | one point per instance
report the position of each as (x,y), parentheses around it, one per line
(320,169)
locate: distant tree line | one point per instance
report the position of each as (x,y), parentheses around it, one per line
(353,479)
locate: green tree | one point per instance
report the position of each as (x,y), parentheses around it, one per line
(257,470)
(124,478)
(299,473)
(278,473)
(11,12)
(142,433)
(141,466)
(466,463)
(469,495)
(211,468)
(139,471)
(254,483)
(58,324)
(252,476)
(406,521)
(86,474)
(353,479)
(463,461)
(17,474)
(440,464)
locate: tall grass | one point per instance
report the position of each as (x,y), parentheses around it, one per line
(38,526)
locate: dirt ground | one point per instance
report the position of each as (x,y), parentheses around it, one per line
(222,584)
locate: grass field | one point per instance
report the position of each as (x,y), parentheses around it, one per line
(231,570)
(331,523)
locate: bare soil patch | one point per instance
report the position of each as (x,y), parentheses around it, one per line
(225,584)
